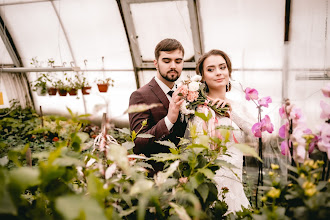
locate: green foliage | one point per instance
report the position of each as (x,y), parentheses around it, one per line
(303,196)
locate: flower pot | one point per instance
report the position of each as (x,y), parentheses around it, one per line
(62,92)
(86,90)
(73,91)
(52,91)
(103,87)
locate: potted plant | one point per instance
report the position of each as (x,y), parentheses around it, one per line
(62,88)
(74,86)
(85,87)
(103,84)
(40,85)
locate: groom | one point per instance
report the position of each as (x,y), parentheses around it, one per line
(163,122)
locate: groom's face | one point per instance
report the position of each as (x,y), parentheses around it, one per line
(169,65)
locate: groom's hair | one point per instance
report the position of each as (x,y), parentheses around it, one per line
(200,63)
(168,44)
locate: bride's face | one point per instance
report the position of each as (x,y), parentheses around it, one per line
(215,72)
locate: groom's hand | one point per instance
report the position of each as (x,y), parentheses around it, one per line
(174,107)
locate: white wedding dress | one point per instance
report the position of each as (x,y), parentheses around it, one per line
(225,177)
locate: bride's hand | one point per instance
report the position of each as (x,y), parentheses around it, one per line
(220,103)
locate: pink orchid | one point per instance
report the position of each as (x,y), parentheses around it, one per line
(251,94)
(300,154)
(265,101)
(326,90)
(325,114)
(266,125)
(285,147)
(296,115)
(282,112)
(256,129)
(283,131)
(324,142)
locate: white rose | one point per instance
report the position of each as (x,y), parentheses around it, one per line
(193,86)
(196,78)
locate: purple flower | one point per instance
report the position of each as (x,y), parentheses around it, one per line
(256,129)
(326,90)
(251,94)
(325,114)
(266,125)
(265,101)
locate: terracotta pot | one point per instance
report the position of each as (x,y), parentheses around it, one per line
(62,92)
(73,91)
(103,87)
(52,91)
(86,90)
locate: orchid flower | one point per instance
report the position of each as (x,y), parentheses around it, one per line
(266,125)
(265,101)
(325,114)
(326,90)
(251,94)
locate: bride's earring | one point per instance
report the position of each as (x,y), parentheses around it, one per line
(228,87)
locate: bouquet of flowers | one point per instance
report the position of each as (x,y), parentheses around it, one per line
(194,94)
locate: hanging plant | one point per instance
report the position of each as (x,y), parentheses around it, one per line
(103,84)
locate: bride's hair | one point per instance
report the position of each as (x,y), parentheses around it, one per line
(200,63)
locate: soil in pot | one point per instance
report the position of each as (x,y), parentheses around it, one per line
(62,92)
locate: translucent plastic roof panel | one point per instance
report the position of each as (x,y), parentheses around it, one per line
(35,27)
(250,31)
(158,20)
(4,55)
(95,30)
(309,38)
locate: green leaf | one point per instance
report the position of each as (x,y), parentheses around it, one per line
(83,136)
(207,172)
(203,116)
(73,206)
(145,136)
(25,177)
(128,145)
(162,157)
(167,143)
(247,150)
(124,130)
(141,107)
(203,190)
(68,161)
(180,211)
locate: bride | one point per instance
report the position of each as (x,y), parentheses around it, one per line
(215,69)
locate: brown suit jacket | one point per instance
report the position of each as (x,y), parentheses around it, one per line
(149,94)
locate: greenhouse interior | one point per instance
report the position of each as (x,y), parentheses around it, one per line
(245,135)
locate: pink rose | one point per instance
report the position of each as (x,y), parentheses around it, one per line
(192,96)
(251,94)
(325,114)
(326,90)
(184,90)
(265,101)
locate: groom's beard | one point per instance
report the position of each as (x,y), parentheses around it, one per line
(168,77)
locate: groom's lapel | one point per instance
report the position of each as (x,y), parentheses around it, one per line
(159,93)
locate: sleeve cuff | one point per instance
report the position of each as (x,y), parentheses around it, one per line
(168,124)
